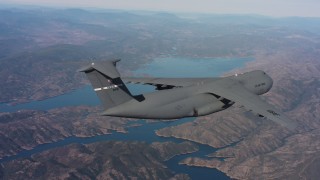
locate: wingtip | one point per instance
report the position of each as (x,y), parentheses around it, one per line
(288,123)
(93,64)
(292,126)
(84,69)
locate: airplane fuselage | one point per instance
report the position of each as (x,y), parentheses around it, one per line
(191,101)
(181,97)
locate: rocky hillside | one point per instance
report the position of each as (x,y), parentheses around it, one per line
(257,148)
(104,160)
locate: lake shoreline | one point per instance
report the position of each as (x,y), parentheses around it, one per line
(145,128)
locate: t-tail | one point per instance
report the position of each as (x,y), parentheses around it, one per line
(106,82)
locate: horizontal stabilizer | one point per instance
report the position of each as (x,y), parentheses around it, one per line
(105,67)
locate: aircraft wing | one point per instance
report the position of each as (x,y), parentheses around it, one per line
(234,91)
(173,82)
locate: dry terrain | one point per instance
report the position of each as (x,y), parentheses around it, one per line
(256,148)
(28,128)
(40,51)
(104,160)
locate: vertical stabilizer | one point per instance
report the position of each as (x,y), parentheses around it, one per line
(106,82)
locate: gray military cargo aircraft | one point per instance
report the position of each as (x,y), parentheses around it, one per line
(181,97)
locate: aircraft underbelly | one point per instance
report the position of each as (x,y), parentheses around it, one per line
(196,105)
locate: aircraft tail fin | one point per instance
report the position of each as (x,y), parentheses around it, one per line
(106,82)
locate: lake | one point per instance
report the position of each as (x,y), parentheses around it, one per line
(160,67)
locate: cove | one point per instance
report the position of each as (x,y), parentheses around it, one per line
(160,67)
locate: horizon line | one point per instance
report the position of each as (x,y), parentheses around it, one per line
(61,7)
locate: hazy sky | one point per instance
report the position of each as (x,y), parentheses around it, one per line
(262,7)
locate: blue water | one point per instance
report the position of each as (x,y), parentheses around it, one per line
(190,67)
(82,96)
(164,67)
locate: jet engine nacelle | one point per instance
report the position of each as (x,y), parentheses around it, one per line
(205,104)
(209,108)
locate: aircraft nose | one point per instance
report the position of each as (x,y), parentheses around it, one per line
(269,82)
